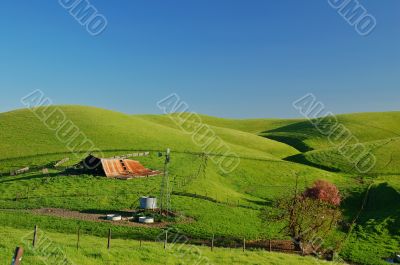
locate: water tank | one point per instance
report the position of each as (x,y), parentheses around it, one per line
(114,217)
(148,203)
(146,220)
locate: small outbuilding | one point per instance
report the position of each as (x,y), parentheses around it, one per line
(116,168)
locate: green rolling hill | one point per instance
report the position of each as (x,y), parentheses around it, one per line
(23,134)
(366,127)
(247,125)
(378,132)
(271,151)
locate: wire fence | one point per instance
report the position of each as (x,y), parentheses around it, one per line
(174,236)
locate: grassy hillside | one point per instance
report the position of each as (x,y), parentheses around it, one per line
(365,127)
(236,197)
(208,202)
(246,125)
(378,132)
(232,196)
(387,153)
(376,232)
(93,251)
(23,134)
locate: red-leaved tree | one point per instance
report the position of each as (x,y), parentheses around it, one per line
(324,191)
(310,214)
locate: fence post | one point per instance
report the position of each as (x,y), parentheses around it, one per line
(19,251)
(77,243)
(244,244)
(212,243)
(109,239)
(34,236)
(166,239)
(140,243)
(270,247)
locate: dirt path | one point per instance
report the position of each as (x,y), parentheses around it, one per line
(95,217)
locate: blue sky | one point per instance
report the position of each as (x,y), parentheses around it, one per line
(228,58)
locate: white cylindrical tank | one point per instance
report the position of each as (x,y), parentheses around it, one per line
(114,217)
(146,220)
(148,203)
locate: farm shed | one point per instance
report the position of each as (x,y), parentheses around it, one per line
(117,168)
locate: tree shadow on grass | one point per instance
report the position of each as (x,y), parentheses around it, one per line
(265,202)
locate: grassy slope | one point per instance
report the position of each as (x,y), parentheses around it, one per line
(123,252)
(251,184)
(376,234)
(236,132)
(364,126)
(386,152)
(23,134)
(246,125)
(379,132)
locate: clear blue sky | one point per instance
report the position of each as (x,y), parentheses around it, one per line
(229,58)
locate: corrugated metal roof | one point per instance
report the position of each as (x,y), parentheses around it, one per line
(125,168)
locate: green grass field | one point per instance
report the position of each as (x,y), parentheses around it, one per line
(93,250)
(228,205)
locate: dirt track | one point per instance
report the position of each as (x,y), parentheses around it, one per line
(94,217)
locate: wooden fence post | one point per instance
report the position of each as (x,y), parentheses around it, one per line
(19,252)
(270,247)
(109,239)
(212,243)
(140,243)
(77,242)
(166,239)
(244,244)
(34,236)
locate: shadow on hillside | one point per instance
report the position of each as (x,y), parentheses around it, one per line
(194,195)
(266,202)
(301,159)
(304,127)
(294,134)
(382,203)
(295,142)
(202,197)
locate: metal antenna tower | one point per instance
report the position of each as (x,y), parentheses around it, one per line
(165,195)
